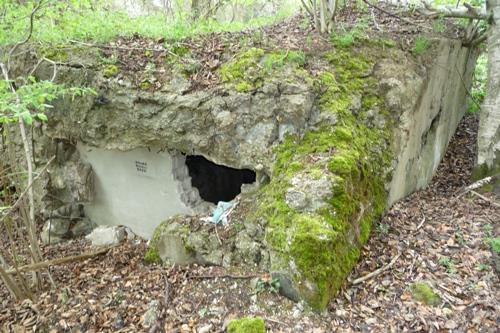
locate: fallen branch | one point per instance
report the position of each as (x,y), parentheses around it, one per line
(228,276)
(59,261)
(481,183)
(377,271)
(493,202)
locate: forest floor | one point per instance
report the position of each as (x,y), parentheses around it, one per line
(435,236)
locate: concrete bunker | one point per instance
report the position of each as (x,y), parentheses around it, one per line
(216,182)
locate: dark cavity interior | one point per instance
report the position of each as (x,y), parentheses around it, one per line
(217,182)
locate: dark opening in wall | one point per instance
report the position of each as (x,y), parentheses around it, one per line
(217,182)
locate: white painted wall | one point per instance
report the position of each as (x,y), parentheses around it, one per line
(135,188)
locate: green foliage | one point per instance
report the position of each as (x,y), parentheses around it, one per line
(494,243)
(422,292)
(263,285)
(32,100)
(483,267)
(349,37)
(478,89)
(421,45)
(61,21)
(447,263)
(247,325)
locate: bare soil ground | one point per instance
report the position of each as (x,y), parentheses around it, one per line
(437,237)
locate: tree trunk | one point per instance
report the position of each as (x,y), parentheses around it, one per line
(488,157)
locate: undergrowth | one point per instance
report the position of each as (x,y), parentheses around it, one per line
(62,21)
(478,89)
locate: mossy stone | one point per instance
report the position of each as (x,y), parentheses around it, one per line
(247,325)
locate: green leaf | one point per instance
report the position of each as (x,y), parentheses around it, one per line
(28,119)
(42,117)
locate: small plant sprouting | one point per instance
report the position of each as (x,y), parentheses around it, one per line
(483,267)
(447,263)
(349,37)
(488,230)
(383,228)
(459,236)
(494,243)
(421,45)
(270,285)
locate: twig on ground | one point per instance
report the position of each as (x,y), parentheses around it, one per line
(276,321)
(377,271)
(227,276)
(491,201)
(59,261)
(421,223)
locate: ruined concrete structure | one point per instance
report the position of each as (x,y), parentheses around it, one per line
(323,153)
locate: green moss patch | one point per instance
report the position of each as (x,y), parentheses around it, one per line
(422,292)
(247,325)
(110,70)
(324,245)
(249,70)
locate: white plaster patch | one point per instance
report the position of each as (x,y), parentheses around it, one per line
(136,188)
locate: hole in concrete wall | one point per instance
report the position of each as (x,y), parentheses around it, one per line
(217,182)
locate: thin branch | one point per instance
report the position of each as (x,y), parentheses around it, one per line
(227,276)
(54,68)
(59,261)
(491,201)
(395,16)
(19,199)
(377,271)
(421,223)
(467,89)
(30,33)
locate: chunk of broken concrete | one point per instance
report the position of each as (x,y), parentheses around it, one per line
(106,235)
